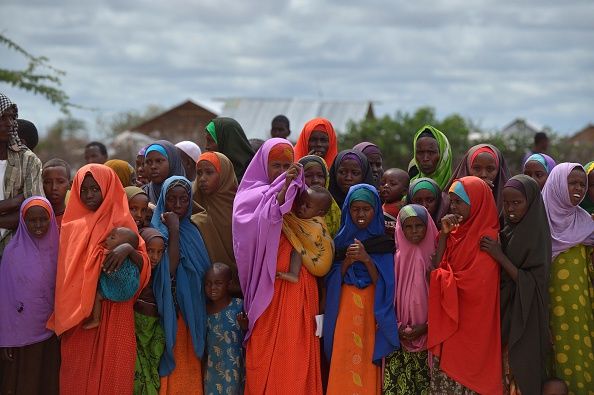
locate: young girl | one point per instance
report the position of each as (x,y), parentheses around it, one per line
(375,159)
(588,202)
(525,258)
(425,192)
(360,321)
(30,353)
(150,339)
(350,168)
(539,166)
(407,370)
(138,204)
(225,370)
(464,330)
(178,289)
(161,161)
(56,183)
(571,289)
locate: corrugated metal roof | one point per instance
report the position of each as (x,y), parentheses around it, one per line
(255,115)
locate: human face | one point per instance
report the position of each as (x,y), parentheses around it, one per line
(138,206)
(361,213)
(156,167)
(515,205)
(189,166)
(314,175)
(113,239)
(207,177)
(427,154)
(55,185)
(140,167)
(392,187)
(414,229)
(6,118)
(576,185)
(459,207)
(318,143)
(485,168)
(90,193)
(591,185)
(93,155)
(279,129)
(37,220)
(276,168)
(309,204)
(155,249)
(537,172)
(376,165)
(425,198)
(177,201)
(211,145)
(216,285)
(348,174)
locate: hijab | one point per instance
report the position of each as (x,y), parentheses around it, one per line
(232,142)
(176,167)
(570,225)
(322,125)
(81,253)
(132,191)
(338,195)
(424,183)
(28,280)
(443,170)
(524,302)
(257,223)
(189,276)
(587,204)
(544,160)
(381,250)
(412,262)
(123,170)
(14,142)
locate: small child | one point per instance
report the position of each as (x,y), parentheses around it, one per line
(315,201)
(56,183)
(393,187)
(225,328)
(121,284)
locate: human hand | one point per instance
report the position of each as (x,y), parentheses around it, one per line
(7,354)
(116,257)
(412,332)
(449,222)
(242,321)
(491,247)
(292,173)
(356,252)
(171,220)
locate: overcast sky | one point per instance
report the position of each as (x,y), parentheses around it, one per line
(491,61)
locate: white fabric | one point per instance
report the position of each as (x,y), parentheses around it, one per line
(190,148)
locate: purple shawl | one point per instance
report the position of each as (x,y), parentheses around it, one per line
(27,282)
(257,223)
(570,225)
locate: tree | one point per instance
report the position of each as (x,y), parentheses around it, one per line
(65,139)
(40,77)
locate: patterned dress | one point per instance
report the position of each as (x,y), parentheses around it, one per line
(225,372)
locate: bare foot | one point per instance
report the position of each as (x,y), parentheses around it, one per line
(288,277)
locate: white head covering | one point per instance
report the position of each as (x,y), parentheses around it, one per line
(190,148)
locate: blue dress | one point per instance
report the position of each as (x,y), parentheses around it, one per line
(225,371)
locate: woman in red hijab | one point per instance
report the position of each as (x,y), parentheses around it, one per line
(317,138)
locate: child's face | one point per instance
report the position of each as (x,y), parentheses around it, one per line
(138,206)
(348,174)
(55,184)
(393,186)
(361,213)
(310,204)
(591,185)
(90,193)
(314,175)
(177,201)
(459,207)
(414,229)
(155,249)
(207,177)
(425,198)
(537,172)
(156,167)
(37,220)
(485,168)
(576,185)
(514,205)
(216,285)
(113,239)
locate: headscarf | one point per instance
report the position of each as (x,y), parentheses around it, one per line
(338,195)
(368,148)
(28,280)
(132,191)
(332,218)
(587,204)
(14,142)
(189,276)
(190,148)
(322,125)
(443,170)
(123,170)
(81,252)
(465,165)
(570,225)
(381,249)
(412,262)
(464,330)
(544,160)
(257,223)
(232,142)
(524,302)
(176,167)
(215,221)
(430,185)
(148,234)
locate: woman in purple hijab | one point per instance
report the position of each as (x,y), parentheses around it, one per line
(374,158)
(29,353)
(281,348)
(571,287)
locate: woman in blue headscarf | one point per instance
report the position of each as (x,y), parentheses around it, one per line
(360,320)
(178,289)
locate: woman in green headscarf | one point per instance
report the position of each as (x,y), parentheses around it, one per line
(588,202)
(432,155)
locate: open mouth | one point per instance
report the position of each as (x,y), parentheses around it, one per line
(577,196)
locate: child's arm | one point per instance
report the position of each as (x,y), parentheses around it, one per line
(295,262)
(493,248)
(356,252)
(118,255)
(242,321)
(171,220)
(448,223)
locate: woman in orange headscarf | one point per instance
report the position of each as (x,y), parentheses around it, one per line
(99,360)
(317,138)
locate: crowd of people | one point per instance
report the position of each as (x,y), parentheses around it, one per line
(254,267)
